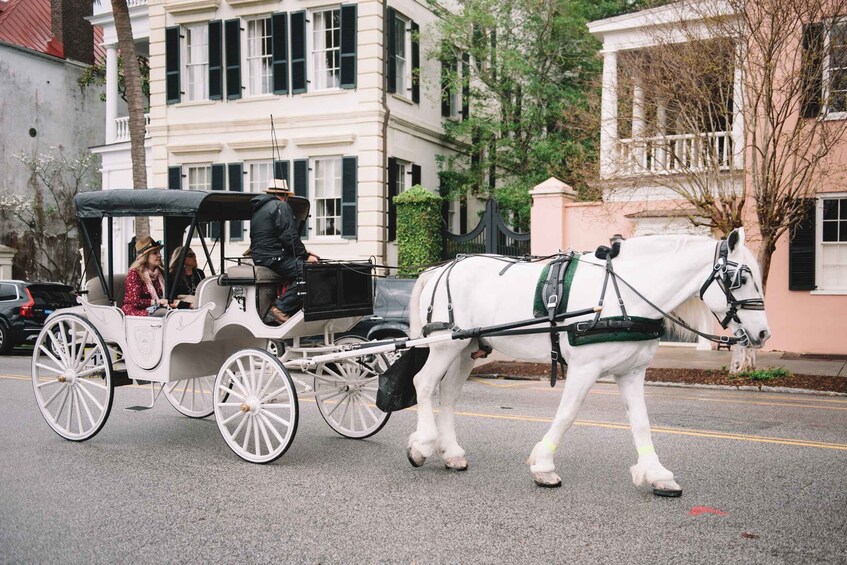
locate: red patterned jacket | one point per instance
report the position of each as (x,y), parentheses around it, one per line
(137,298)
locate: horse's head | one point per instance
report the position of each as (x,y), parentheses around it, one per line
(733,291)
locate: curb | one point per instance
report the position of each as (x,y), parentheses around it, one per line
(606,380)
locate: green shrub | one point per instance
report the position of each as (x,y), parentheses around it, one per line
(418,230)
(766,374)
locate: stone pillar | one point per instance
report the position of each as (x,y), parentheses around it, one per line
(639,127)
(7,254)
(111,92)
(609,116)
(548,215)
(737,112)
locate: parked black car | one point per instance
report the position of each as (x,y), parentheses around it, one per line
(391,311)
(24,307)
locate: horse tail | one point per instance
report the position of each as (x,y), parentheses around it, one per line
(415,324)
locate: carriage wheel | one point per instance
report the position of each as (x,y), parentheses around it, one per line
(192,397)
(72,377)
(345,392)
(256,405)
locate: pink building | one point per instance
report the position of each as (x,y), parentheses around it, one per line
(807,287)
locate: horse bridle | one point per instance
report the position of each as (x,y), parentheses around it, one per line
(731,276)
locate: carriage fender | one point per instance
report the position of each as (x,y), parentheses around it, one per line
(392,327)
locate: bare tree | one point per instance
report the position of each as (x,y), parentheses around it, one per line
(731,108)
(135,104)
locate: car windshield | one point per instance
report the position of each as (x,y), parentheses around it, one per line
(52,294)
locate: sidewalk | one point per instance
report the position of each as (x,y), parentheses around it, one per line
(670,357)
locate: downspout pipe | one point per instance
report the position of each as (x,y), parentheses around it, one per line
(385,117)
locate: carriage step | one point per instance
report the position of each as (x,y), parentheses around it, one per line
(138,408)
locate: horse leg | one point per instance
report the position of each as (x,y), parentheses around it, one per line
(423,440)
(648,469)
(451,386)
(577,385)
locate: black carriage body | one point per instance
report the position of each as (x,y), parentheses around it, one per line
(338,290)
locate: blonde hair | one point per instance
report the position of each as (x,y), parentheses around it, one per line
(140,262)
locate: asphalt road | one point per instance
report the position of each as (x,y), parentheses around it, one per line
(155,486)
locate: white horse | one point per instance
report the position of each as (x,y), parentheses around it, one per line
(670,271)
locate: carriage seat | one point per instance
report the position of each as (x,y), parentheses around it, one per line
(97,296)
(249,275)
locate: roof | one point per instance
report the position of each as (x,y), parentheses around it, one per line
(28,24)
(206,205)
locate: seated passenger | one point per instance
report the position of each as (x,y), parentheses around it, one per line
(275,244)
(145,281)
(187,280)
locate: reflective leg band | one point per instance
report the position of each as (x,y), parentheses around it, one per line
(549,445)
(647,450)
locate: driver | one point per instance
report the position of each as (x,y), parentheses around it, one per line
(275,244)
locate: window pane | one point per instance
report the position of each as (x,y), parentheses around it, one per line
(842,232)
(843,206)
(326,50)
(830,209)
(830,231)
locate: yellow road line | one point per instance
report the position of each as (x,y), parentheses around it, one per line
(673,431)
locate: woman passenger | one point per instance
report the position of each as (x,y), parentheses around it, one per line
(187,280)
(145,281)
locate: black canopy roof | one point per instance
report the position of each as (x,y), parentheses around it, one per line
(206,205)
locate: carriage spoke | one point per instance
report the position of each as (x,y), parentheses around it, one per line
(76,409)
(59,348)
(334,408)
(92,383)
(70,409)
(233,416)
(232,392)
(256,440)
(91,396)
(328,394)
(271,405)
(244,375)
(87,372)
(247,434)
(49,354)
(274,394)
(240,424)
(85,406)
(368,408)
(266,424)
(273,416)
(51,369)
(234,379)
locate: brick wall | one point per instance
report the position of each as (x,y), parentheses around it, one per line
(73,30)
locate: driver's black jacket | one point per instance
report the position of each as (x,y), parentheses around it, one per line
(273,231)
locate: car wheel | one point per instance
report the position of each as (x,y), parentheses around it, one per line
(5,340)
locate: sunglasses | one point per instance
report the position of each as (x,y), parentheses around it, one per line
(190,255)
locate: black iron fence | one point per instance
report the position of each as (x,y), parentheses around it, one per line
(491,235)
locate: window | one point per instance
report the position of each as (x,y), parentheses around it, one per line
(832,244)
(454,96)
(259,175)
(326,49)
(328,196)
(835,72)
(401,67)
(196,62)
(259,55)
(199,177)
(8,292)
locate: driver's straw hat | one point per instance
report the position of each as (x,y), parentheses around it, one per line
(278,186)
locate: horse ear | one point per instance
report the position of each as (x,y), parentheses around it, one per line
(736,238)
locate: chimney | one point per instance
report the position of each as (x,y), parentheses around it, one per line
(72,29)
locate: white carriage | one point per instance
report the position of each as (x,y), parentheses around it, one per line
(214,358)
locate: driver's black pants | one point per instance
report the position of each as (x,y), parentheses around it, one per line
(289,268)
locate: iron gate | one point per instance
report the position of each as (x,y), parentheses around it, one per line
(491,235)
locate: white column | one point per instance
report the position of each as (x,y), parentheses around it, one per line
(639,146)
(738,111)
(662,126)
(609,115)
(111,92)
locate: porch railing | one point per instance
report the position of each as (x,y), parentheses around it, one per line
(668,154)
(122,125)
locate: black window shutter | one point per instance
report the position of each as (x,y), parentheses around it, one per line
(801,251)
(349,182)
(466,85)
(349,31)
(218,183)
(279,42)
(232,33)
(392,192)
(281,171)
(236,184)
(416,174)
(463,215)
(216,77)
(301,188)
(390,17)
(218,176)
(812,69)
(175,178)
(298,52)
(172,85)
(416,63)
(444,191)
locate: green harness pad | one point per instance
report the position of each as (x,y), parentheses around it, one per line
(615,328)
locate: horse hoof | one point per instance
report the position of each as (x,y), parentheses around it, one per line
(669,489)
(415,458)
(547,479)
(456,464)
